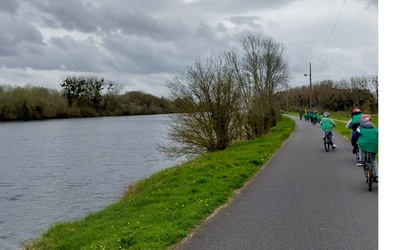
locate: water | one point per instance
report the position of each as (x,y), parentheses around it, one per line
(59,170)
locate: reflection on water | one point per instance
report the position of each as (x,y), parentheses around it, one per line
(60,170)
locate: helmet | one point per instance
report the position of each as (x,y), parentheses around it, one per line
(326,114)
(355,110)
(366,117)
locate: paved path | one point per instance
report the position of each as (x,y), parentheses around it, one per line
(304,198)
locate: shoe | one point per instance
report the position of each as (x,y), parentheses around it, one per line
(334,146)
(360,164)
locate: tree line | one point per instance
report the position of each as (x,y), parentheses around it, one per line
(81,96)
(329,95)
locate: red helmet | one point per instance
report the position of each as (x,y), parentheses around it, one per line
(356,110)
(366,117)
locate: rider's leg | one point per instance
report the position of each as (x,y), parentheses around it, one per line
(360,155)
(360,158)
(332,136)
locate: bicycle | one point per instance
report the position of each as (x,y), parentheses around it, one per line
(357,153)
(327,141)
(368,170)
(313,121)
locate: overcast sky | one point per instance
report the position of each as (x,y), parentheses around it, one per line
(142,43)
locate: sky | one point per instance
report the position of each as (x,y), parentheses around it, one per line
(142,44)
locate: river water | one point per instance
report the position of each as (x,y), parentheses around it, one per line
(57,170)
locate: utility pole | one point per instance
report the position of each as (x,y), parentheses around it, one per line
(310,86)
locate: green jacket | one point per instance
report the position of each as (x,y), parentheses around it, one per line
(327,124)
(357,118)
(368,140)
(354,121)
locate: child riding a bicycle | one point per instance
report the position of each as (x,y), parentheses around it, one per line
(354,123)
(327,124)
(366,136)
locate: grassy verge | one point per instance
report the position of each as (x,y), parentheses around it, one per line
(159,211)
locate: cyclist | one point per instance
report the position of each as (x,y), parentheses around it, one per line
(301,114)
(327,124)
(354,122)
(307,115)
(314,117)
(319,118)
(366,136)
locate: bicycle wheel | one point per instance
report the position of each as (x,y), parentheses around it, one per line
(326,143)
(369,176)
(357,154)
(365,171)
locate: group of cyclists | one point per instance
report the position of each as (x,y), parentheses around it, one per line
(364,136)
(313,117)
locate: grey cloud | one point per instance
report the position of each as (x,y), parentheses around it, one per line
(15,33)
(252,21)
(63,53)
(107,19)
(59,42)
(69,15)
(205,32)
(9,6)
(131,21)
(233,6)
(135,21)
(144,56)
(369,3)
(6,52)
(69,54)
(157,37)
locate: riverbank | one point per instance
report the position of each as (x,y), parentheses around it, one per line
(159,211)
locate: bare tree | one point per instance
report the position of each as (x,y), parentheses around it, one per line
(208,102)
(231,96)
(265,72)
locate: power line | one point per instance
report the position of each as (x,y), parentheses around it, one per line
(334,26)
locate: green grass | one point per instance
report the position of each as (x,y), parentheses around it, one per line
(161,210)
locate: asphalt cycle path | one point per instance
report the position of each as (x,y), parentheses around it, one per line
(303,198)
